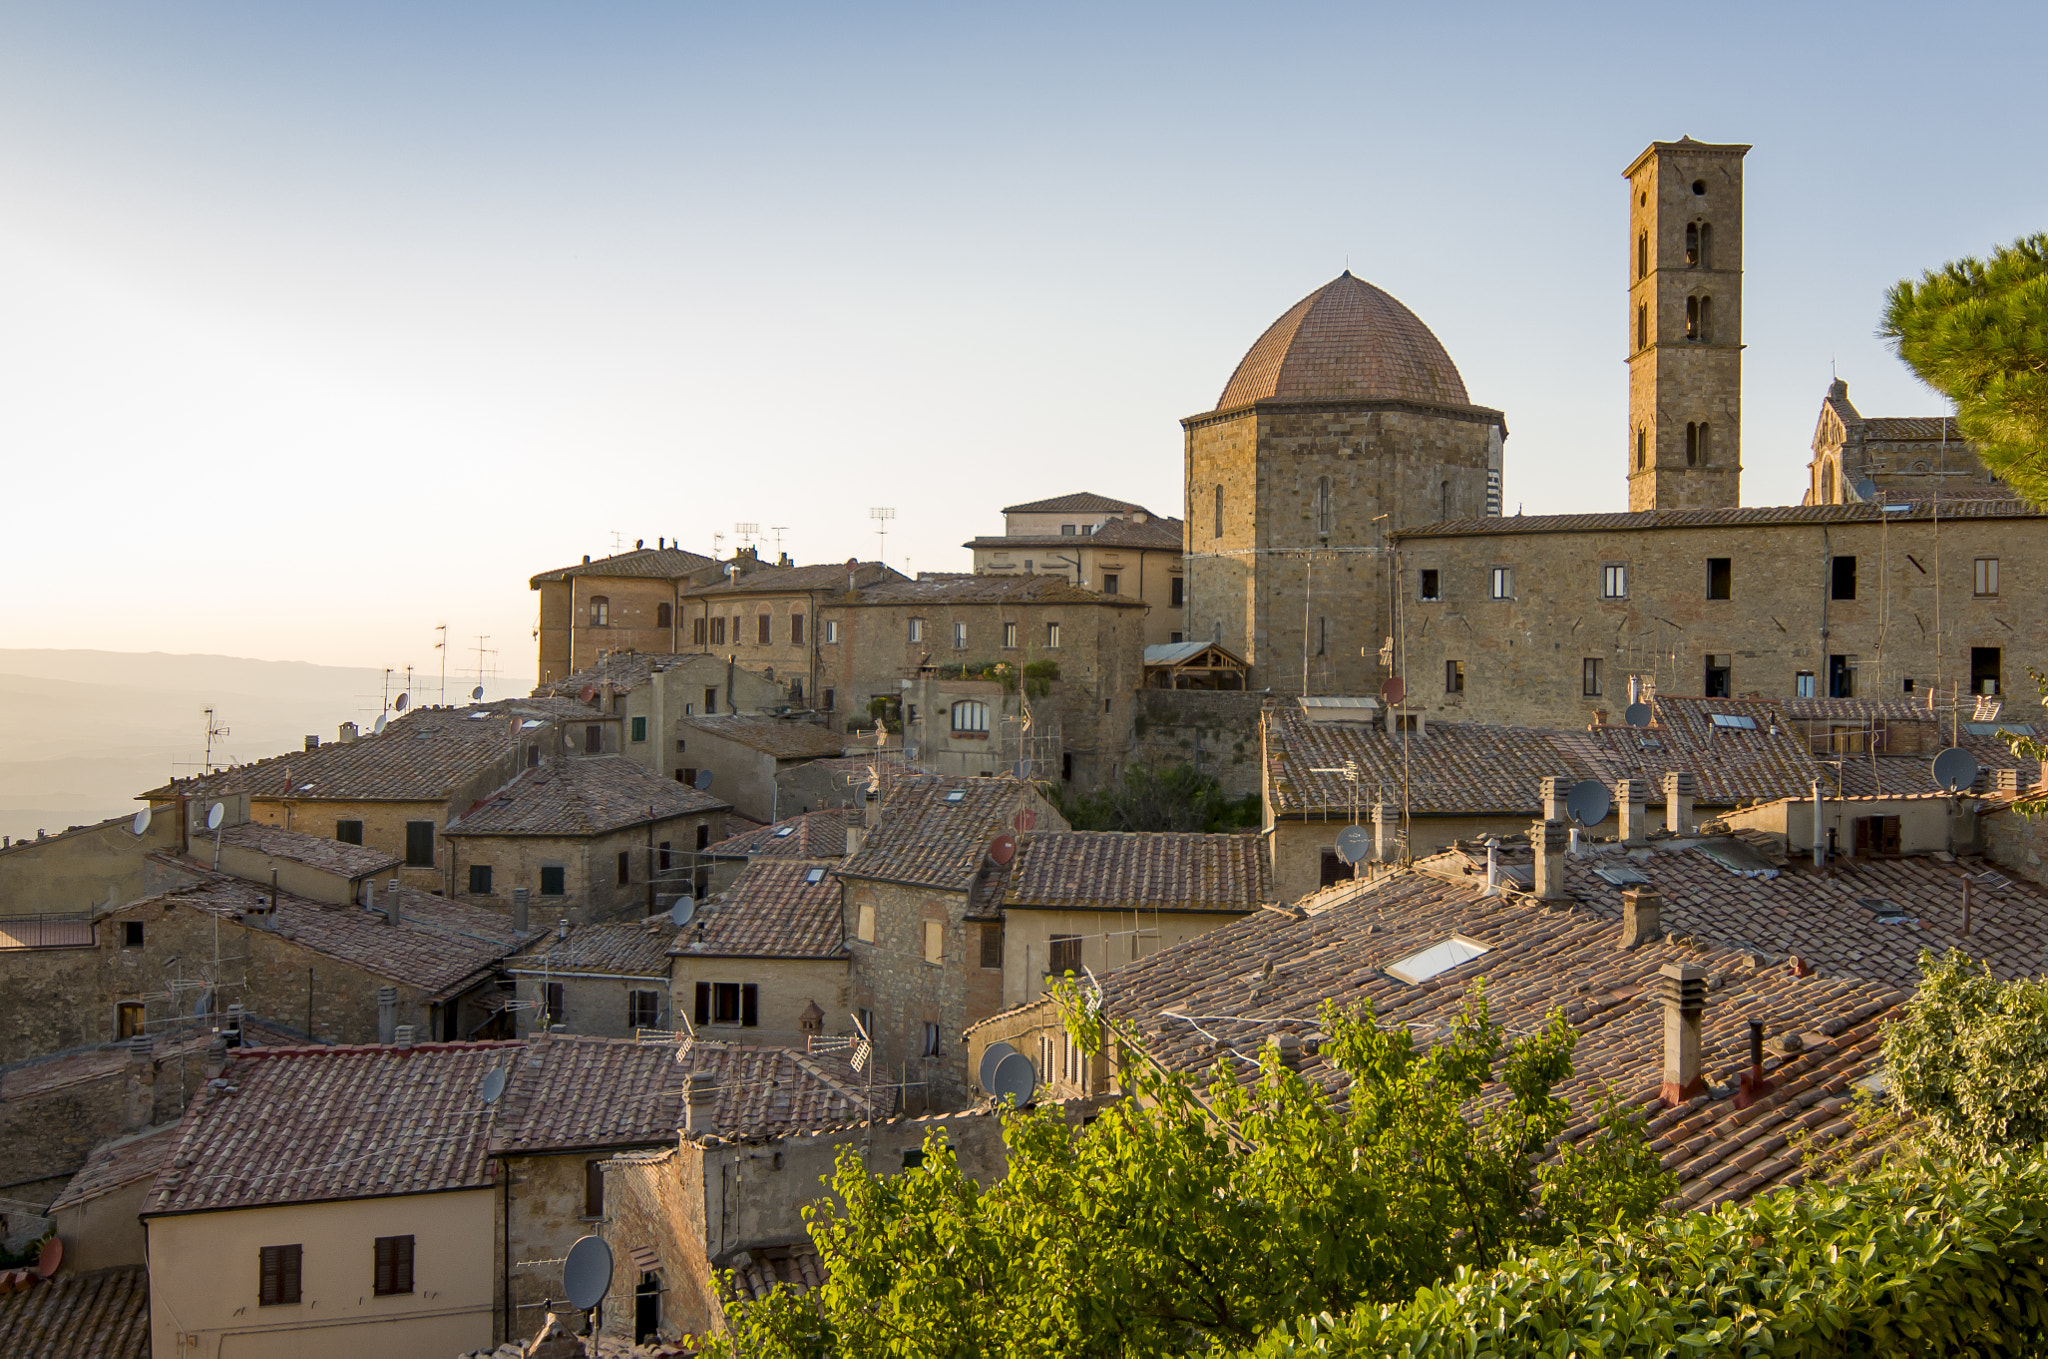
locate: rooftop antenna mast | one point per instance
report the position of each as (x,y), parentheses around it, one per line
(481,652)
(214,731)
(442,647)
(618,540)
(387,689)
(748,534)
(882,514)
(777,529)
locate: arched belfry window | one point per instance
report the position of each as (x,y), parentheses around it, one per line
(1706,245)
(1323,515)
(1699,319)
(1692,244)
(1705,448)
(1219,513)
(1706,320)
(1643,255)
(1642,325)
(1692,443)
(1642,449)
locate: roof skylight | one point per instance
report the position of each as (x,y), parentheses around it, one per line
(1739,721)
(1417,968)
(814,877)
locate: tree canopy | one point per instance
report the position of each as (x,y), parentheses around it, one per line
(1176,798)
(1977,332)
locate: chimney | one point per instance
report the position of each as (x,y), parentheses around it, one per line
(1685,1001)
(872,810)
(312,743)
(519,909)
(562,929)
(1549,839)
(348,732)
(387,1013)
(855,835)
(1386,826)
(700,1115)
(1678,794)
(1642,916)
(216,1059)
(391,901)
(139,1090)
(1554,790)
(1631,800)
(234,1026)
(401,1037)
(2005,780)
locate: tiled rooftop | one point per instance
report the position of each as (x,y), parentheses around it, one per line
(1346,341)
(1158,534)
(766,1092)
(770,736)
(624,948)
(812,835)
(569,1092)
(925,839)
(329,856)
(1104,870)
(302,1125)
(1080,502)
(594,795)
(773,909)
(45,1075)
(1916,429)
(100,1315)
(120,1162)
(1728,760)
(1952,507)
(829,577)
(965,589)
(649,563)
(765,1268)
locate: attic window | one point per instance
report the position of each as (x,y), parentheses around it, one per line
(1621,875)
(1735,720)
(1418,968)
(781,831)
(1885,911)
(956,795)
(1993,728)
(814,877)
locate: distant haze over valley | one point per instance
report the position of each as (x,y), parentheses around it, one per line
(83,732)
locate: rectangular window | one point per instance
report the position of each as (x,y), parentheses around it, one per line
(661,855)
(131,934)
(533,757)
(1335,870)
(1179,593)
(1802,684)
(710,701)
(553,1005)
(1720,578)
(1454,677)
(349,832)
(935,942)
(718,632)
(1614,580)
(1987,577)
(625,867)
(639,729)
(959,637)
(703,834)
(1431,588)
(697,632)
(643,1009)
(1841,675)
(1219,514)
(1109,582)
(764,632)
(827,699)
(394,1266)
(1066,954)
(129,1018)
(832,631)
(593,1189)
(1502,582)
(917,629)
(480,880)
(796,627)
(1052,636)
(864,924)
(419,844)
(991,945)
(279,1276)
(593,739)
(1589,677)
(1009,636)
(1717,682)
(1067,530)
(554,880)
(1842,578)
(731,1003)
(1984,670)
(931,1041)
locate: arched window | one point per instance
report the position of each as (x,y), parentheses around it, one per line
(1692,443)
(1692,318)
(1642,326)
(1219,513)
(1323,506)
(1643,255)
(1642,449)
(1692,244)
(1706,448)
(1706,320)
(970,715)
(664,615)
(600,611)
(1706,245)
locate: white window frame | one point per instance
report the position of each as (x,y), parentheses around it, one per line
(917,629)
(1052,636)
(1614,580)
(1500,582)
(831,637)
(1009,636)
(976,713)
(959,637)
(1987,578)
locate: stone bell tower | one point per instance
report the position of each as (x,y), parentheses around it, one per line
(1685,326)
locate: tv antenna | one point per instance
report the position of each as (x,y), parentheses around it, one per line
(618,540)
(749,533)
(442,647)
(481,652)
(777,529)
(882,514)
(214,731)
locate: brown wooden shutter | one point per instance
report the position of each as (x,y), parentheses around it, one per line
(750,1006)
(279,1276)
(593,1189)
(382,1282)
(401,1264)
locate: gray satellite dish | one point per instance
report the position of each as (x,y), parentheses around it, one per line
(680,913)
(400,704)
(702,783)
(1866,489)
(1353,844)
(494,1084)
(377,727)
(202,1005)
(587,1273)
(477,693)
(1015,1081)
(140,825)
(216,814)
(1637,715)
(1588,803)
(992,1059)
(1955,769)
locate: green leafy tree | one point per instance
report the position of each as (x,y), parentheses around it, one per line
(1970,1058)
(1184,1218)
(1977,332)
(1176,798)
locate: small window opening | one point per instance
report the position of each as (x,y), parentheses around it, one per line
(1454,677)
(1418,968)
(1699,188)
(1717,677)
(1430,589)
(1720,577)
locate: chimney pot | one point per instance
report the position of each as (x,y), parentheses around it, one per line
(1386,826)
(1549,839)
(519,909)
(1555,790)
(1685,1002)
(387,1013)
(391,901)
(401,1037)
(1631,800)
(1679,788)
(1642,916)
(700,1114)
(855,836)
(216,1059)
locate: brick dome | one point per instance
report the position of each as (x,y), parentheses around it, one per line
(1346,341)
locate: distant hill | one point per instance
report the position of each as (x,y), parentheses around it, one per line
(82,732)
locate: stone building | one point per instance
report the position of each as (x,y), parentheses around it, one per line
(1858,458)
(1345,420)
(649,696)
(768,621)
(594,981)
(766,960)
(590,840)
(744,756)
(629,601)
(98,1217)
(1097,543)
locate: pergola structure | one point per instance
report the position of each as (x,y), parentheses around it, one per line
(1193,665)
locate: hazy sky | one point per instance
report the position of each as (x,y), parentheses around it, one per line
(320,326)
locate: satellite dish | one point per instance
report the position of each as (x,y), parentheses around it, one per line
(477,693)
(494,1084)
(377,727)
(1588,802)
(702,783)
(990,1060)
(588,692)
(201,1005)
(140,825)
(50,1256)
(1015,1080)
(399,706)
(216,814)
(1637,715)
(680,913)
(1393,690)
(1354,843)
(1866,489)
(587,1273)
(1003,848)
(1954,769)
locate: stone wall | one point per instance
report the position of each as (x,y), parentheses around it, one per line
(655,1200)
(53,1112)
(788,986)
(892,979)
(95,866)
(1215,731)
(590,868)
(547,1202)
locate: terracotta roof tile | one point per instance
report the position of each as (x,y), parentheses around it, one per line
(119,1162)
(968,589)
(1103,870)
(1158,534)
(775,908)
(330,856)
(626,948)
(1953,506)
(1346,341)
(302,1125)
(935,831)
(587,795)
(763,1269)
(827,577)
(766,1092)
(1914,429)
(1080,502)
(100,1315)
(812,835)
(651,563)
(570,1092)
(770,736)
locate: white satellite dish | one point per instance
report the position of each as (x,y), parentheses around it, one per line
(377,727)
(680,913)
(587,1273)
(494,1084)
(140,825)
(216,814)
